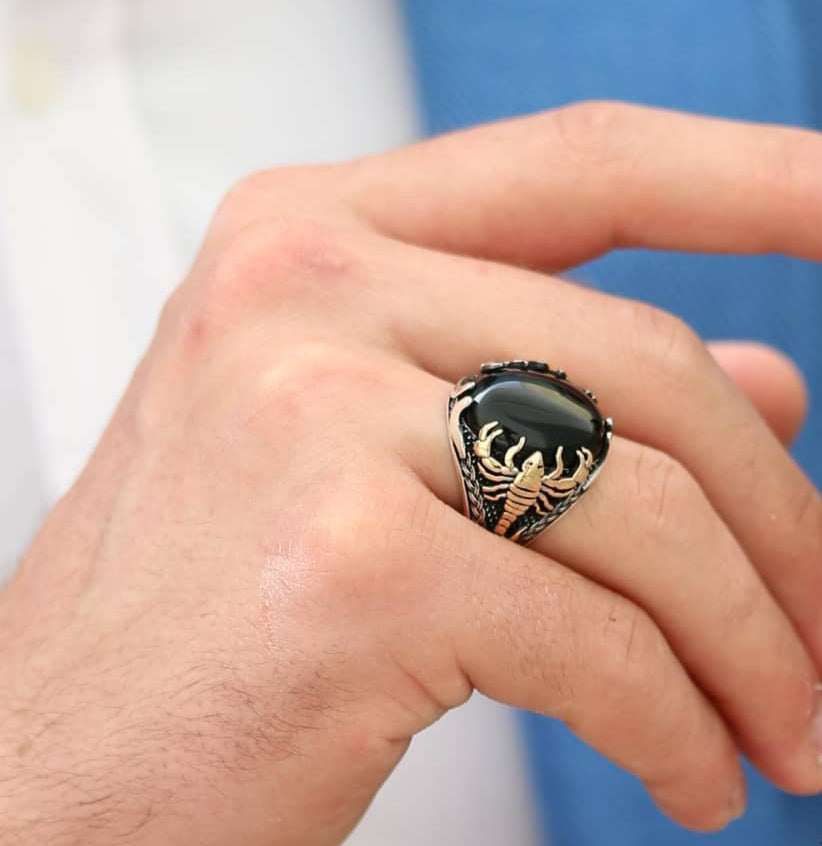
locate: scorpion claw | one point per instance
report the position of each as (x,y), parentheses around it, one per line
(560,464)
(484,430)
(509,455)
(586,460)
(485,437)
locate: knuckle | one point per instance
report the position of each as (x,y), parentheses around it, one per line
(630,651)
(354,515)
(663,343)
(664,493)
(264,189)
(274,264)
(325,390)
(588,129)
(172,312)
(244,197)
(276,258)
(806,510)
(307,383)
(542,606)
(368,568)
(790,158)
(617,657)
(743,606)
(317,366)
(188,326)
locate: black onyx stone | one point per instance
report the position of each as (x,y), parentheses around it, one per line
(549,412)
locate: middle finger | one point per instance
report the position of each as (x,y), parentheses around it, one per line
(651,373)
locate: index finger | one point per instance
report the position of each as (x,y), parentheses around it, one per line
(561,187)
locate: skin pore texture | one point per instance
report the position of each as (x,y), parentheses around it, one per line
(261,587)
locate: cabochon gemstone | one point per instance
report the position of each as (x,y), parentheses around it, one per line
(549,412)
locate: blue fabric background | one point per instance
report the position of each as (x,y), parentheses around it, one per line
(480,60)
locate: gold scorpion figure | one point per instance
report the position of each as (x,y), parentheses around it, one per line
(528,487)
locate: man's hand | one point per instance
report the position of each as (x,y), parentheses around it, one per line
(261,588)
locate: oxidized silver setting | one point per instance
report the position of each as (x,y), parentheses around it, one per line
(527,445)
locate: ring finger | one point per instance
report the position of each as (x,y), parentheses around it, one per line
(646,531)
(651,373)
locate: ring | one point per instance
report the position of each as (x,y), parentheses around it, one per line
(527,445)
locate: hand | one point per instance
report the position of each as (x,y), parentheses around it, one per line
(260,588)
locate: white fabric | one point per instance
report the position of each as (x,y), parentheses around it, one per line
(122,122)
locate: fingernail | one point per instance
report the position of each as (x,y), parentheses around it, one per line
(736,805)
(816,725)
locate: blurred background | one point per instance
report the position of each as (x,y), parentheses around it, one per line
(123,122)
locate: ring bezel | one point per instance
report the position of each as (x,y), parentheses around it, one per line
(521,501)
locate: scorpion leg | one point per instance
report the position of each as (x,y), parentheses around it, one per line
(492,477)
(496,497)
(502,486)
(543,504)
(564,487)
(586,459)
(559,469)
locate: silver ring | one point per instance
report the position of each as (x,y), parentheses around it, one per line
(527,445)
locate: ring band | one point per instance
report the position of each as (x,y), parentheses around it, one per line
(527,445)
